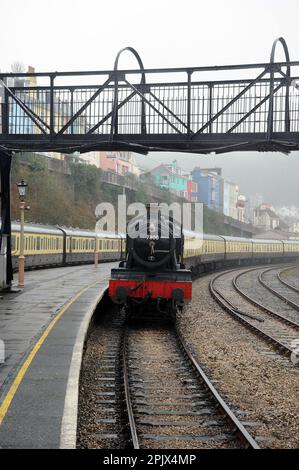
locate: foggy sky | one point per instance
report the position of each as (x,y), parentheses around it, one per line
(86,35)
(273,175)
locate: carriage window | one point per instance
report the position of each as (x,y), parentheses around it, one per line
(13,243)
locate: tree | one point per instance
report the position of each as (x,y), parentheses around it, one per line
(18,67)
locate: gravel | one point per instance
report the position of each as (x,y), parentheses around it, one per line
(248,373)
(271,325)
(100,341)
(250,284)
(291,275)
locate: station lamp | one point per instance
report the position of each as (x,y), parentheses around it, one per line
(22,188)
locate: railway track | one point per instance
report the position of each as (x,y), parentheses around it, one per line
(254,311)
(272,281)
(152,393)
(283,281)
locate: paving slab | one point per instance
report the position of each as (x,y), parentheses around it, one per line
(43,328)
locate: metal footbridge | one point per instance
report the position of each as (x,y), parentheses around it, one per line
(192,109)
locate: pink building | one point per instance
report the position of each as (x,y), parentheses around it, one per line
(118,162)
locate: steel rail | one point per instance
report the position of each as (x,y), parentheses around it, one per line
(275,292)
(258,304)
(242,433)
(226,305)
(129,405)
(287,284)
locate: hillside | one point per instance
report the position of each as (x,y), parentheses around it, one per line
(69,198)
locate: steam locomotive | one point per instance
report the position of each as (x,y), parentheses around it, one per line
(153,276)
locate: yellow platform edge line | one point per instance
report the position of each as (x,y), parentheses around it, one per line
(18,380)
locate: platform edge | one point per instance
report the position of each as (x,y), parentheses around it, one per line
(68,432)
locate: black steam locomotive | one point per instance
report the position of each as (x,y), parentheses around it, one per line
(153,275)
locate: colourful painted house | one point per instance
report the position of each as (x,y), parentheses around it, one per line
(169,176)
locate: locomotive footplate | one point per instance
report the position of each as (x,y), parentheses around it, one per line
(126,284)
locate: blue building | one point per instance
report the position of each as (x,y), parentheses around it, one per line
(209,187)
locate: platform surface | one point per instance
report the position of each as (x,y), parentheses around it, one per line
(40,327)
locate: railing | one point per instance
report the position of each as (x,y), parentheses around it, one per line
(156,111)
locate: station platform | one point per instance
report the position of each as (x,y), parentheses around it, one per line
(43,329)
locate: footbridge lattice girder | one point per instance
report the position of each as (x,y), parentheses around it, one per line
(154,111)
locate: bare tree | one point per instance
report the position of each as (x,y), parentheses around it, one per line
(18,67)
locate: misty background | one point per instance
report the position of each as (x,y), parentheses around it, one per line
(273,175)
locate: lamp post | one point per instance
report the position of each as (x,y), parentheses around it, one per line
(96,253)
(22,187)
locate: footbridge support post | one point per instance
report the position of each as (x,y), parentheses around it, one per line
(6,275)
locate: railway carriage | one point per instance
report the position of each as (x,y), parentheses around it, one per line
(202,248)
(43,245)
(237,248)
(213,248)
(267,249)
(59,246)
(110,246)
(290,248)
(81,245)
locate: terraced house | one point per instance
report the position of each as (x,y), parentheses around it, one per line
(171,177)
